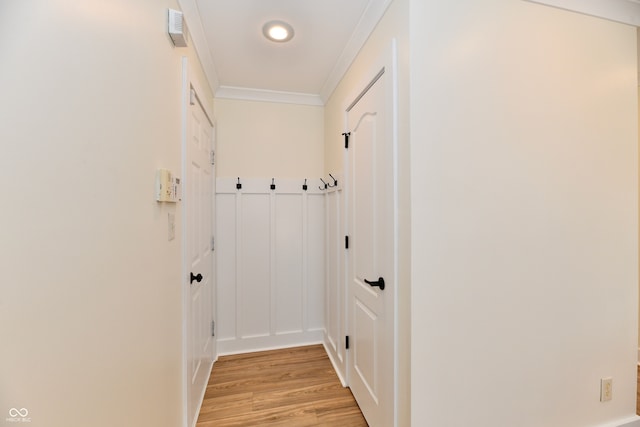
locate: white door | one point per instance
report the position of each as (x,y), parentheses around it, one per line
(371,253)
(199,229)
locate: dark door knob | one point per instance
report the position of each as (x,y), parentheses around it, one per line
(197,278)
(379,283)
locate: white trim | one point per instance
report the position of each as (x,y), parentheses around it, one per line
(343,381)
(638,356)
(624,11)
(185,342)
(201,398)
(194,24)
(273,342)
(208,112)
(633,421)
(370,18)
(263,95)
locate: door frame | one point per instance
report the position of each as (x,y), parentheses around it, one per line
(189,83)
(386,64)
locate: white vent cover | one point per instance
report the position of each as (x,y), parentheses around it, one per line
(178,28)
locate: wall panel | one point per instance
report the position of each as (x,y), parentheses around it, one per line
(288,263)
(254,292)
(226,264)
(335,294)
(271,263)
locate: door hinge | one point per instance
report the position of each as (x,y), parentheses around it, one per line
(346,139)
(213,328)
(212,157)
(346,242)
(346,342)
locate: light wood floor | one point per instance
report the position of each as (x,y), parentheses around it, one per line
(292,387)
(638,393)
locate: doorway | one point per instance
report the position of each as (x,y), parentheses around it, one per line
(372,253)
(199,345)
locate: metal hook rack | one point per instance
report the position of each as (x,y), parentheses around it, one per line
(324,185)
(335,182)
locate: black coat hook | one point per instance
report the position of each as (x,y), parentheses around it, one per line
(335,181)
(323,183)
(305,186)
(273,184)
(346,139)
(238,185)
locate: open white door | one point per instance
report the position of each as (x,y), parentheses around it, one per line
(199,259)
(372,251)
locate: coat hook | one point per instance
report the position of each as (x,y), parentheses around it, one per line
(238,185)
(273,184)
(335,181)
(324,183)
(304,186)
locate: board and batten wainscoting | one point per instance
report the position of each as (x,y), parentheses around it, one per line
(270,249)
(336,315)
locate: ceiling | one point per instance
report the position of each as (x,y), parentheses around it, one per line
(241,63)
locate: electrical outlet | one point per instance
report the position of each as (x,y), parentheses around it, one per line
(606,389)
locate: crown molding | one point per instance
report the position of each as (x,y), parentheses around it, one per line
(370,18)
(262,95)
(624,11)
(196,31)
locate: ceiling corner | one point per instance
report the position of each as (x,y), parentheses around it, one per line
(194,24)
(370,18)
(624,11)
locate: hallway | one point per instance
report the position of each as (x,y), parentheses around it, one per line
(289,387)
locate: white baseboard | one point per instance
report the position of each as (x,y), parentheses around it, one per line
(633,421)
(630,422)
(343,380)
(271,342)
(201,398)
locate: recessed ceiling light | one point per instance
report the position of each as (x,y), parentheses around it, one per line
(277,31)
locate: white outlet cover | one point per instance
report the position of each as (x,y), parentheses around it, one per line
(606,389)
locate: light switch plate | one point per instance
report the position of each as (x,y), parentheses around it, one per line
(606,389)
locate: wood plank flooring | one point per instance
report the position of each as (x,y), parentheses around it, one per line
(294,387)
(638,393)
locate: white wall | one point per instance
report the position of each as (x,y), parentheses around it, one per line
(524,173)
(90,286)
(268,139)
(394,25)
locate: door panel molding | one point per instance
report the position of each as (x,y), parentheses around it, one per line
(198,345)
